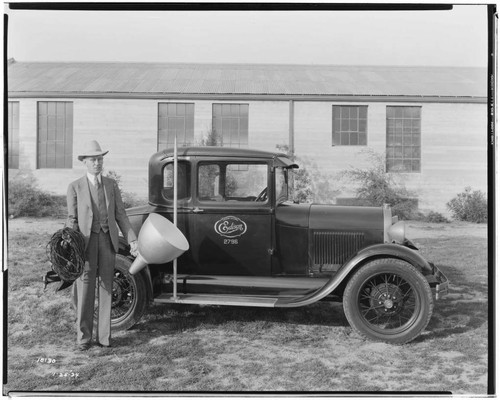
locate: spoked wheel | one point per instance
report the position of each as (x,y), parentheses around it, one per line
(128,300)
(129,296)
(388,300)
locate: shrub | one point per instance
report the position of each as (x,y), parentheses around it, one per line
(301,184)
(470,206)
(212,138)
(377,187)
(25,199)
(432,216)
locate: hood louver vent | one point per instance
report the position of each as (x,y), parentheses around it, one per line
(334,248)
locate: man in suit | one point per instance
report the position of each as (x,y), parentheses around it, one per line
(95,208)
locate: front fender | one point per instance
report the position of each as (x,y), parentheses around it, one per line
(386,250)
(390,250)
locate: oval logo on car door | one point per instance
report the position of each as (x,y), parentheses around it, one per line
(230,227)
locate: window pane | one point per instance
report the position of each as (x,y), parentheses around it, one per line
(184,183)
(336,112)
(208,182)
(336,125)
(336,138)
(234,133)
(353,125)
(353,138)
(245,182)
(363,112)
(408,152)
(362,125)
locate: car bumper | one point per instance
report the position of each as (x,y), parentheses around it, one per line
(439,282)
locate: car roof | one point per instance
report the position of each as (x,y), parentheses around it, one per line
(217,151)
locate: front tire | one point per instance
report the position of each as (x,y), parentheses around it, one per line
(388,300)
(129,297)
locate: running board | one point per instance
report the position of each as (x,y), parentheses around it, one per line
(218,300)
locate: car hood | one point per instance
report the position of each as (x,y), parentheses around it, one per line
(330,217)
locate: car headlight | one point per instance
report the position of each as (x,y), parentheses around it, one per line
(397,232)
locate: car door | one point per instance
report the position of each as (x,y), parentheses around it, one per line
(232,220)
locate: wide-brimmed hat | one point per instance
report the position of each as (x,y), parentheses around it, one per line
(92,149)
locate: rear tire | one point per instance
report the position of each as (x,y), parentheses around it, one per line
(388,300)
(129,296)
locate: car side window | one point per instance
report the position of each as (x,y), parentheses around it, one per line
(230,182)
(183,188)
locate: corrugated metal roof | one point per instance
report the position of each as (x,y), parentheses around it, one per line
(75,78)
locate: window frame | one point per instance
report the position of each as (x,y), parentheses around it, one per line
(50,125)
(163,131)
(404,138)
(13,135)
(340,131)
(231,115)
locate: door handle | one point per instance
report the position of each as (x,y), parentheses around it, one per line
(198,210)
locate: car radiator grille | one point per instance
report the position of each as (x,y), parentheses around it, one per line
(334,248)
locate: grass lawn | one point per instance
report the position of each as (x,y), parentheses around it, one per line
(205,349)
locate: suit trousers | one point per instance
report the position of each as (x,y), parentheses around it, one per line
(101,264)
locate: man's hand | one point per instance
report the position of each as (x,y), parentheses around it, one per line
(134,250)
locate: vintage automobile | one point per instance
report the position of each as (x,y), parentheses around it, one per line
(250,245)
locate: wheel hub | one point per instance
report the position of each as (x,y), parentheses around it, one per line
(117,293)
(387,299)
(121,291)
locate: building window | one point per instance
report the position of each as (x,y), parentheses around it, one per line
(230,123)
(349,125)
(403,139)
(13,134)
(175,119)
(55,134)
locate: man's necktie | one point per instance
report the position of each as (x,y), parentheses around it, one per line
(103,214)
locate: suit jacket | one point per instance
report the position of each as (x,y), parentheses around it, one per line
(80,210)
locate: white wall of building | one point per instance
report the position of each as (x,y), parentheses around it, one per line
(453,147)
(453,141)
